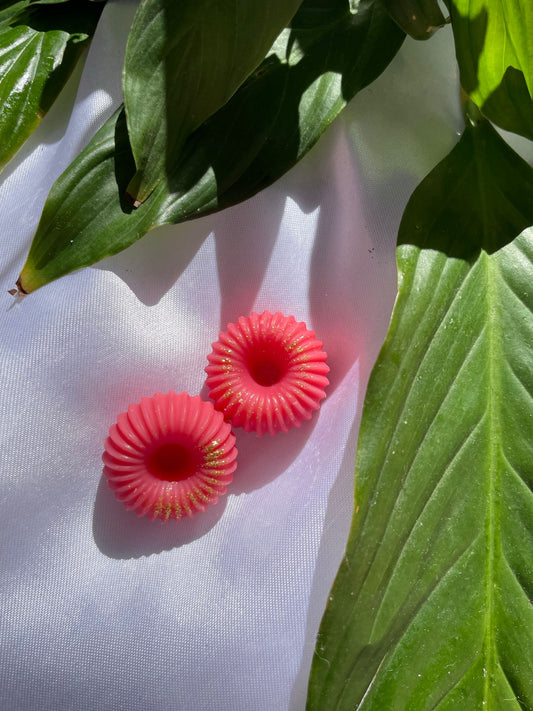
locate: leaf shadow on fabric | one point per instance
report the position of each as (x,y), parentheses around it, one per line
(150,267)
(245,237)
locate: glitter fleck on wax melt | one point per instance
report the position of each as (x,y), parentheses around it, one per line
(267,373)
(169,456)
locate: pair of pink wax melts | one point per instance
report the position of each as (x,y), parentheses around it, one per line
(172,455)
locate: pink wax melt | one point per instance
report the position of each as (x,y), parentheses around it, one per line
(267,373)
(169,456)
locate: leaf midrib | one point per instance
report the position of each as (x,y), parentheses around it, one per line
(495,356)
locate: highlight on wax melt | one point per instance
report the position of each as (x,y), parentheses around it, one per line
(267,373)
(169,456)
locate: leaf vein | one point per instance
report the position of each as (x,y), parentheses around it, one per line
(400,417)
(416,612)
(400,554)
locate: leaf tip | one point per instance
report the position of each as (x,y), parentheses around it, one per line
(21,291)
(18,293)
(133,201)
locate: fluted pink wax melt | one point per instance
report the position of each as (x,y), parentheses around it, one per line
(267,373)
(169,456)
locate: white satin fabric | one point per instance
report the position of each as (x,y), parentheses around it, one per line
(100,610)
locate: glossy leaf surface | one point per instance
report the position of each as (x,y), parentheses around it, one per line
(37,54)
(494,47)
(418,18)
(183,62)
(269,124)
(431,606)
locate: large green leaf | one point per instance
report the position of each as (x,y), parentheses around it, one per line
(431,606)
(37,54)
(268,125)
(494,46)
(183,62)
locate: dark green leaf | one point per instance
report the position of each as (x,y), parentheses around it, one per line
(418,18)
(431,606)
(10,10)
(268,125)
(183,62)
(494,47)
(37,55)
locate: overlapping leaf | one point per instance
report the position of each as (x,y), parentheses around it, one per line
(183,62)
(11,9)
(494,46)
(418,18)
(38,51)
(431,609)
(314,68)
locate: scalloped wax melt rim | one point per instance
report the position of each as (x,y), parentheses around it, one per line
(169,456)
(267,373)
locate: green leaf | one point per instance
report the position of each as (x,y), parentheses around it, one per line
(494,47)
(269,124)
(183,62)
(37,54)
(418,18)
(11,9)
(431,606)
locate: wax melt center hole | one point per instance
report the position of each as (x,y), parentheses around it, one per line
(268,365)
(171,462)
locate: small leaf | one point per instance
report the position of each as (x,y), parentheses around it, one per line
(431,606)
(494,47)
(37,55)
(183,62)
(509,106)
(418,18)
(269,124)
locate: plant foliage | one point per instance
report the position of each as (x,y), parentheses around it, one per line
(40,44)
(188,58)
(326,56)
(431,608)
(494,46)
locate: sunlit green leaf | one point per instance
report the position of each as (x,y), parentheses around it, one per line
(268,125)
(183,62)
(431,608)
(37,54)
(418,18)
(494,46)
